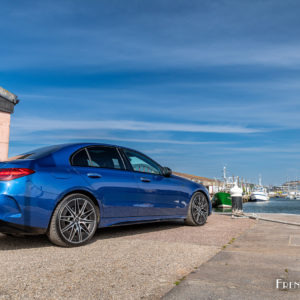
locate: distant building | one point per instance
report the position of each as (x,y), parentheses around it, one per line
(212,185)
(7,105)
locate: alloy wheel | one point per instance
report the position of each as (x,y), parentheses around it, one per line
(77,220)
(200,208)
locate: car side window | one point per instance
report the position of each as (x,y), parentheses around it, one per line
(105,157)
(141,163)
(80,159)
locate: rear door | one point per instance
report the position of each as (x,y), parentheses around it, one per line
(104,171)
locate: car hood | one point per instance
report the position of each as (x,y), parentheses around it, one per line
(186,181)
(192,185)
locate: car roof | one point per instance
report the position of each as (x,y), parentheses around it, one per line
(56,147)
(60,154)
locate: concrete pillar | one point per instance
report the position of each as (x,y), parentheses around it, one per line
(7,105)
(4,135)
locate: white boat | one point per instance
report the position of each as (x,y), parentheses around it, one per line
(297,196)
(260,193)
(293,194)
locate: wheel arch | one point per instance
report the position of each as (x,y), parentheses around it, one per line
(76,191)
(84,192)
(205,193)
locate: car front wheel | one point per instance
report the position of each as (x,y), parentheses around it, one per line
(198,210)
(74,221)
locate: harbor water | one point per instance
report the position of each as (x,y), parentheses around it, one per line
(274,205)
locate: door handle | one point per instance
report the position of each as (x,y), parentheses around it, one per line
(145,179)
(94,175)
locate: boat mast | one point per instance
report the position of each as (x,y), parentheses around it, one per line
(224,177)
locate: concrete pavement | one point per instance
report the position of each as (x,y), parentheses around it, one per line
(130,262)
(250,266)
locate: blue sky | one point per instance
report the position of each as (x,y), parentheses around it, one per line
(194,84)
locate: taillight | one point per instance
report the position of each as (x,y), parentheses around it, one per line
(13,173)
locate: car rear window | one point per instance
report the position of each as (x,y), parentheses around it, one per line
(80,159)
(18,157)
(38,153)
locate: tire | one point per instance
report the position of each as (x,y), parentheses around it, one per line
(198,210)
(74,221)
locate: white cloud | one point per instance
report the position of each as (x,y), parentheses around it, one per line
(39,124)
(266,110)
(49,138)
(275,149)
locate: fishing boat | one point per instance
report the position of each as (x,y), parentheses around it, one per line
(259,193)
(222,199)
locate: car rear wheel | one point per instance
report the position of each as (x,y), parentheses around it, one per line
(198,210)
(74,221)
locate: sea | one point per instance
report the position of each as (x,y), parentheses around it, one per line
(274,205)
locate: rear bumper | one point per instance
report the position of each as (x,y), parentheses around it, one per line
(7,227)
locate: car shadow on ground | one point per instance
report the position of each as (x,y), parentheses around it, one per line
(8,242)
(135,229)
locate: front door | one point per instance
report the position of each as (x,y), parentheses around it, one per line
(158,195)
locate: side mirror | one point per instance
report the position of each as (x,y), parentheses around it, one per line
(167,172)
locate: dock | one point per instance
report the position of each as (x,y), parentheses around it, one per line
(263,263)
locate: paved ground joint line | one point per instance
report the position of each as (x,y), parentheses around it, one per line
(285,268)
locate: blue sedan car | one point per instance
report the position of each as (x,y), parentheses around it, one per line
(68,191)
